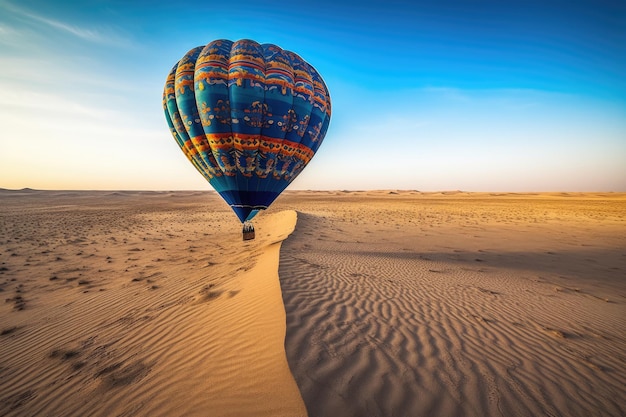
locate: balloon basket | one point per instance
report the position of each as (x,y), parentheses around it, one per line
(248,231)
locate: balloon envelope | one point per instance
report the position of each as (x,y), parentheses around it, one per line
(248,116)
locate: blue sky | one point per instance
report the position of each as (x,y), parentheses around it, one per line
(471,95)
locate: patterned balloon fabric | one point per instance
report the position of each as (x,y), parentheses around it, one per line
(248,116)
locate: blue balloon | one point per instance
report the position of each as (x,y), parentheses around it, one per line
(248,116)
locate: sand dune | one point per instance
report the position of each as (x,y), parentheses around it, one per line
(398,303)
(478,306)
(140,307)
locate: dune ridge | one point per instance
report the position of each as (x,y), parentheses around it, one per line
(118,305)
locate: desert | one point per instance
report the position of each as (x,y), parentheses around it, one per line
(347,303)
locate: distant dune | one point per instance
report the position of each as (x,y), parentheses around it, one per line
(348,303)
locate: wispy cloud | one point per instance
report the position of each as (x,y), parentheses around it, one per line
(104,36)
(86,34)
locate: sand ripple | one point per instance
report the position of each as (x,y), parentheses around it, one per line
(396,324)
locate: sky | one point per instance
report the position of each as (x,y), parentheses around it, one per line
(448,95)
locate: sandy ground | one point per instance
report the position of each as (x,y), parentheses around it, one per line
(140,304)
(393,304)
(455,304)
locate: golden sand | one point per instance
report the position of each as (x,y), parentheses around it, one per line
(394,304)
(140,304)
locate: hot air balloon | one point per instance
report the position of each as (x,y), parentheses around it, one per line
(248,116)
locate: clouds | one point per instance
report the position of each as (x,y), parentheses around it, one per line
(22,26)
(90,35)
